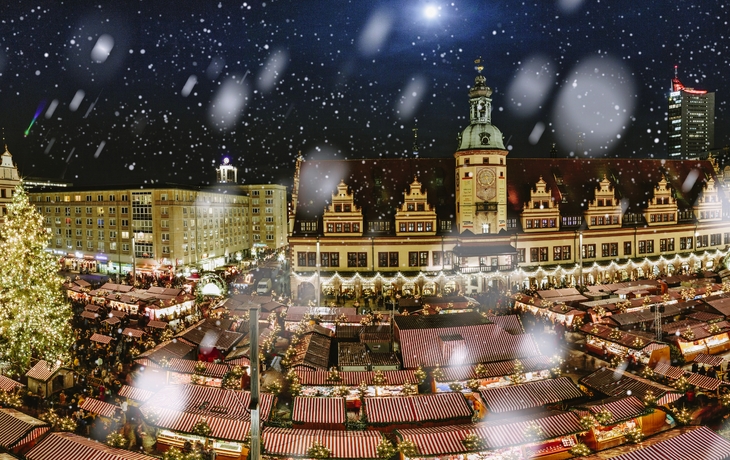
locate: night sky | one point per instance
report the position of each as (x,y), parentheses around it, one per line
(163,91)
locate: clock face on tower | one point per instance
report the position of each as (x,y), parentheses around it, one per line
(486,191)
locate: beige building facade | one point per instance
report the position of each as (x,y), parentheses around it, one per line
(110,229)
(429,226)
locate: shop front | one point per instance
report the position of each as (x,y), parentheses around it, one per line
(224,450)
(607,342)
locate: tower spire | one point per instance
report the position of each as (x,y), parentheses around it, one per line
(415,141)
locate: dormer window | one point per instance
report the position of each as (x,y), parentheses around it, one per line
(338,208)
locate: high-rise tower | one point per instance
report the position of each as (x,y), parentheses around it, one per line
(481,169)
(691,121)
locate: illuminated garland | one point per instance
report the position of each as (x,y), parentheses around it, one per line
(116,439)
(518,273)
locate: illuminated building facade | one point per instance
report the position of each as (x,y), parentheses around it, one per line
(691,116)
(429,226)
(9,179)
(105,229)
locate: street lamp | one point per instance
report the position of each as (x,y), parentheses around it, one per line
(580,258)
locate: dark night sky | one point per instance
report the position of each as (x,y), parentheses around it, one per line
(162,91)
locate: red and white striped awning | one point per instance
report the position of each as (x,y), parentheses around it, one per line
(528,395)
(187,366)
(353,379)
(43,371)
(180,407)
(482,343)
(669,371)
(131,332)
(445,440)
(63,445)
(704,382)
(287,442)
(101,338)
(711,360)
(99,407)
(621,408)
(19,428)
(421,408)
(318,410)
(498,369)
(8,384)
(701,443)
(245,362)
(135,393)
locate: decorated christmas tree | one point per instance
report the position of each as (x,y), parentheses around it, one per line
(34,315)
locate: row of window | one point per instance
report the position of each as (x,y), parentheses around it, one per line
(665,217)
(343,227)
(540,223)
(385,259)
(415,226)
(604,220)
(710,214)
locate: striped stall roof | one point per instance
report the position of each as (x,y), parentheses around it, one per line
(101,338)
(704,382)
(135,393)
(8,384)
(444,440)
(19,428)
(245,362)
(702,443)
(288,442)
(528,395)
(621,408)
(510,323)
(480,343)
(187,366)
(43,371)
(99,407)
(318,410)
(498,369)
(57,446)
(613,382)
(349,378)
(131,332)
(179,407)
(668,370)
(429,407)
(711,360)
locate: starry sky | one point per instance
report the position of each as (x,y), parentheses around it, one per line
(161,91)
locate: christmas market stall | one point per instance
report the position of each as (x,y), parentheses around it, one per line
(135,395)
(211,337)
(312,352)
(495,374)
(77,290)
(559,308)
(377,383)
(613,420)
(183,371)
(204,414)
(607,342)
(697,443)
(45,378)
(451,340)
(107,411)
(547,436)
(691,379)
(64,445)
(19,432)
(527,396)
(9,385)
(699,337)
(615,382)
(314,444)
(427,410)
(319,413)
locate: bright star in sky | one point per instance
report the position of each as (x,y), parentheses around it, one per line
(431,11)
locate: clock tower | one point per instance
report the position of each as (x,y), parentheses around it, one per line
(481,166)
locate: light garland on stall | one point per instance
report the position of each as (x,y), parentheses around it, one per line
(519,273)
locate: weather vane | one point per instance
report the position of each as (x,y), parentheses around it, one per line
(478,62)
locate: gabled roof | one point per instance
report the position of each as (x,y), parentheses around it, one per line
(377,186)
(404,322)
(633,180)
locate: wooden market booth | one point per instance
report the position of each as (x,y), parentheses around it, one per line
(605,342)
